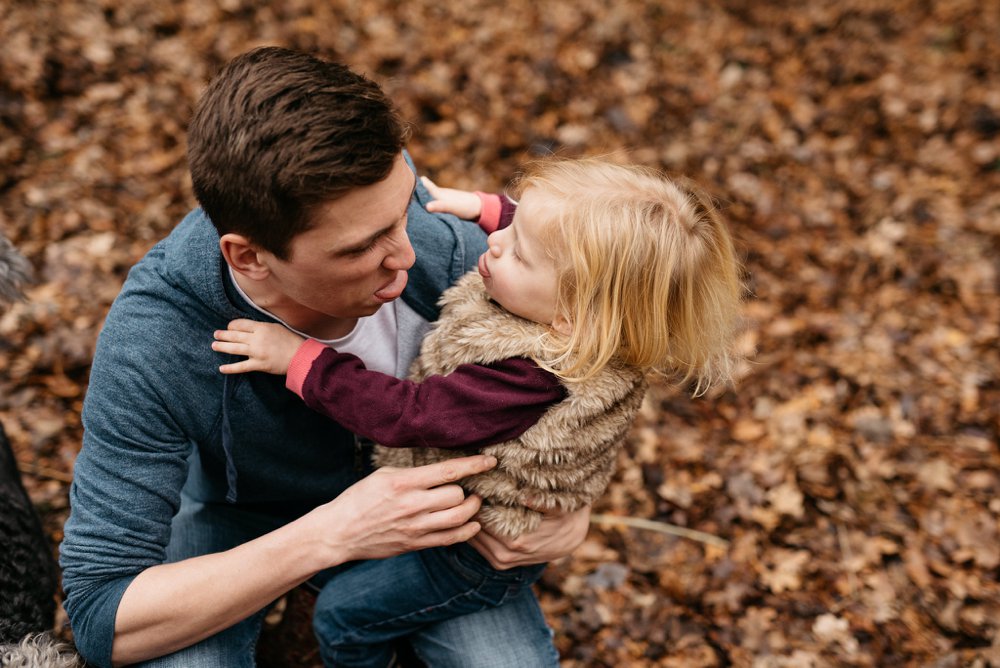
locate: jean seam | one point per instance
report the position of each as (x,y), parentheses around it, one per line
(553,653)
(466,572)
(466,594)
(258,626)
(516,576)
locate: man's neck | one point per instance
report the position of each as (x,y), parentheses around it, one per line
(299,318)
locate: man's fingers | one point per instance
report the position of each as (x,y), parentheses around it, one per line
(443,497)
(449,471)
(453,516)
(494,551)
(448,536)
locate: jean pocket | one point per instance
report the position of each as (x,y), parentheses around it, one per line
(490,585)
(465,562)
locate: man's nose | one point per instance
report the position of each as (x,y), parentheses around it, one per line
(401,256)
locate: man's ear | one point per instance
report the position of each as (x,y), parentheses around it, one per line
(243,256)
(562,324)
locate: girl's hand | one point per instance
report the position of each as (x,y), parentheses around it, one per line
(461,203)
(268,347)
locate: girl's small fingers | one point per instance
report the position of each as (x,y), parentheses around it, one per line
(242,325)
(236,367)
(229,348)
(229,335)
(432,187)
(239,336)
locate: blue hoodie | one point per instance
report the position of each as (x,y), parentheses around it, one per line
(159,417)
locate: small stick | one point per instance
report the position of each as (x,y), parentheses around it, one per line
(848,555)
(661,527)
(37,471)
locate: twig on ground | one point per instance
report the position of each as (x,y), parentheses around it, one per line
(847,558)
(27,468)
(661,527)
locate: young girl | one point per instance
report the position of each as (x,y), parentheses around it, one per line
(599,275)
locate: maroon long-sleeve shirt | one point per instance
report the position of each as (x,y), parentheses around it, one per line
(474,406)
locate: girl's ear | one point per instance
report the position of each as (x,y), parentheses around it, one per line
(243,256)
(562,325)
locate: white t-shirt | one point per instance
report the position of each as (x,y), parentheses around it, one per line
(373,338)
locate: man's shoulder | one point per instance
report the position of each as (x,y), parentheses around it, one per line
(175,289)
(191,247)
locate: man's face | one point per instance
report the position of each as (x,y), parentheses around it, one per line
(355,257)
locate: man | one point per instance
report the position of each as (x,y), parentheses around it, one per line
(199,498)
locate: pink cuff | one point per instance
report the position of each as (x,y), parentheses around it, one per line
(299,367)
(489,216)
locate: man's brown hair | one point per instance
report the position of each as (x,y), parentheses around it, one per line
(279,133)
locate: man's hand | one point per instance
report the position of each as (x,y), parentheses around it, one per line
(173,605)
(399,510)
(556,537)
(268,346)
(461,203)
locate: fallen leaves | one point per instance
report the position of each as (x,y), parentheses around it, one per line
(855,148)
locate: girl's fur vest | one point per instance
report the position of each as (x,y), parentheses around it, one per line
(564,461)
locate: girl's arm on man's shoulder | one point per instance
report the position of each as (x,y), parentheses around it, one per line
(497,211)
(473,406)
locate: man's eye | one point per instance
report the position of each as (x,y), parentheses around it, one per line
(362,251)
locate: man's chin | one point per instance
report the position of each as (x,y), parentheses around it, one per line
(368,309)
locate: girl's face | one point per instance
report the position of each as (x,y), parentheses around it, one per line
(518,270)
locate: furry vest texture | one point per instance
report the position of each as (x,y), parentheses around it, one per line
(564,461)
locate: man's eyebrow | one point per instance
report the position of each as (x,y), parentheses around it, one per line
(362,245)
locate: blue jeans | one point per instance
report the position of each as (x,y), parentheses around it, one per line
(479,640)
(363,609)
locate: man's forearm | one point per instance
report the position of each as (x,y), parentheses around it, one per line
(172,606)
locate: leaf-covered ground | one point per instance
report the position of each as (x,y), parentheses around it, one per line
(855,147)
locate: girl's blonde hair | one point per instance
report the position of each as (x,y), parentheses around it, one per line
(647,272)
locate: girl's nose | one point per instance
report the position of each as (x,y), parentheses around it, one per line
(493,241)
